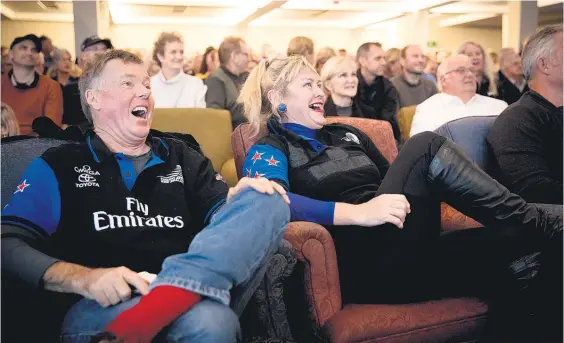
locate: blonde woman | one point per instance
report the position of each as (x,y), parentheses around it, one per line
(393,62)
(10,126)
(340,84)
(382,217)
(61,69)
(481,62)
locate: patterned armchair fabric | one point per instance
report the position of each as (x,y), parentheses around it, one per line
(447,320)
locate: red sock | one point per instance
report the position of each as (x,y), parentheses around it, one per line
(155,311)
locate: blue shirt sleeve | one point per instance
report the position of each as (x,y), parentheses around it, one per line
(36,202)
(268,162)
(310,210)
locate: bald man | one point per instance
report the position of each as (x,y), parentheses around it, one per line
(456,78)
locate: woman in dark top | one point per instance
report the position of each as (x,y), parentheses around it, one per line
(62,68)
(340,84)
(385,219)
(480,61)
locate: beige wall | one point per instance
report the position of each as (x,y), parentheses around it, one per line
(62,34)
(197,38)
(451,37)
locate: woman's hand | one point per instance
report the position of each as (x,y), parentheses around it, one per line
(260,185)
(385,208)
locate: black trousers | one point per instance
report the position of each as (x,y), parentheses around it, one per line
(385,264)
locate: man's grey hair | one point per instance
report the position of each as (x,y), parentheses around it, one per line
(541,45)
(93,70)
(442,69)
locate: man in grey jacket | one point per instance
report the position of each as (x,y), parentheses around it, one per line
(225,83)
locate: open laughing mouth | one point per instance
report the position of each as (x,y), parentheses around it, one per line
(317,106)
(140,112)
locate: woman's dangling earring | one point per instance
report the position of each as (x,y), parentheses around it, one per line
(282,108)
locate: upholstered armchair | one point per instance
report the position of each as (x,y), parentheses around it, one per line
(452,320)
(211,128)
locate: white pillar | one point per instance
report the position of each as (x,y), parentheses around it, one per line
(85,22)
(414,29)
(519,23)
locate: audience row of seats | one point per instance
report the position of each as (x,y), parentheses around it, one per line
(437,320)
(315,280)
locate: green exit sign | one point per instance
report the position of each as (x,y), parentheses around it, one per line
(431,44)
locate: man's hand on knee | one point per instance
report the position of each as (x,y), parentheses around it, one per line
(260,185)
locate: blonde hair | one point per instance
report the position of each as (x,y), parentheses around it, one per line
(487,64)
(10,126)
(161,42)
(334,66)
(274,75)
(300,46)
(393,54)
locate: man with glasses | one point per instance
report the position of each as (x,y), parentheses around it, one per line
(456,78)
(72,110)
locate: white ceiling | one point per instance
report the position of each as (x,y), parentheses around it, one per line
(348,14)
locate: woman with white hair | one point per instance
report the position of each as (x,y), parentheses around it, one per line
(481,62)
(61,69)
(384,218)
(340,84)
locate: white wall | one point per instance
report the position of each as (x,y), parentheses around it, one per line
(62,34)
(197,38)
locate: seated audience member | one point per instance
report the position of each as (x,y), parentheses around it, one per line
(458,98)
(171,87)
(62,67)
(210,62)
(510,84)
(40,64)
(47,49)
(340,82)
(412,88)
(73,112)
(7,64)
(153,68)
(393,63)
(526,139)
(481,62)
(430,71)
(494,57)
(388,216)
(342,52)
(10,126)
(302,46)
(225,83)
(376,94)
(30,94)
(323,55)
(142,201)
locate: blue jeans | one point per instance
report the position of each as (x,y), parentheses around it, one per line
(224,263)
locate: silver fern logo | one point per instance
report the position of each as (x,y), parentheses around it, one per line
(349,137)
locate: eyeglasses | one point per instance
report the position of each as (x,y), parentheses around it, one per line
(462,71)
